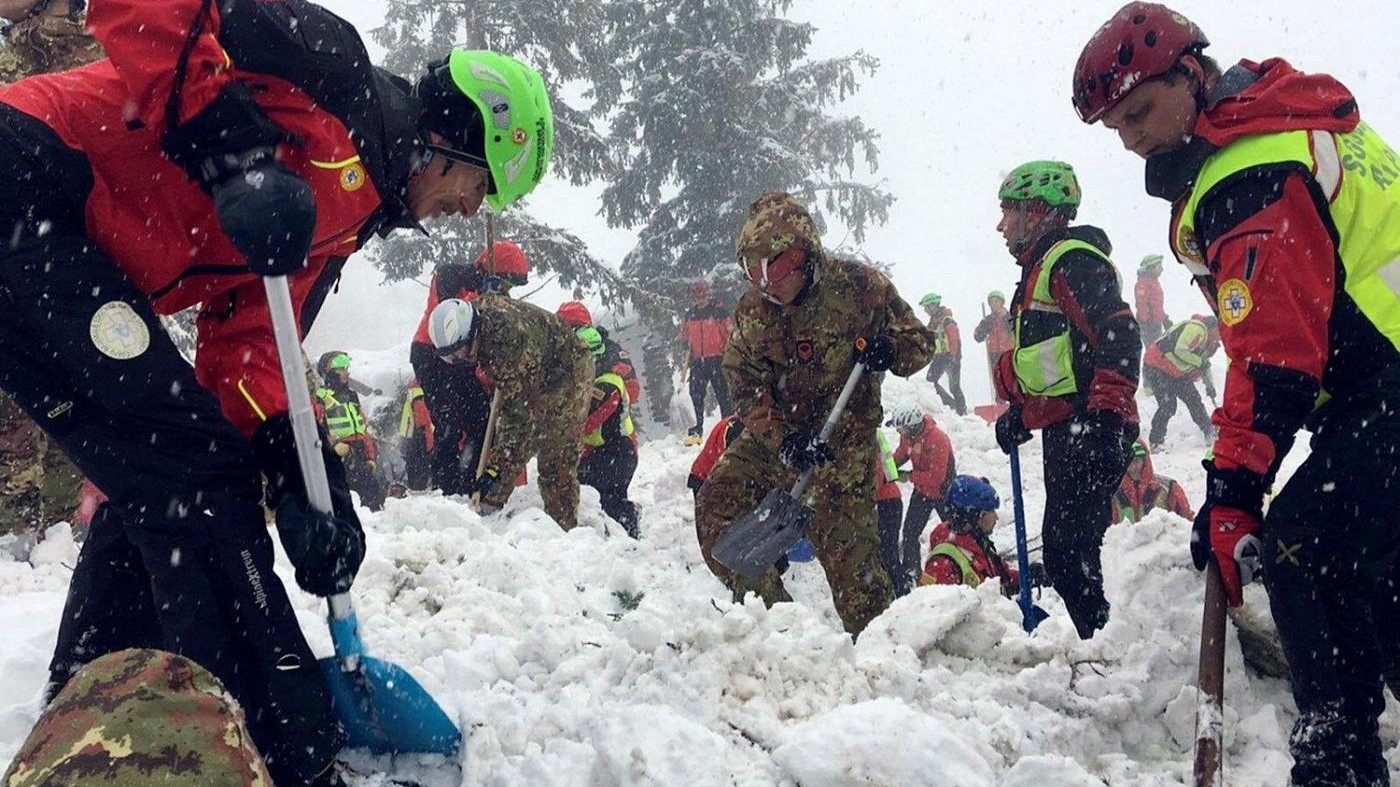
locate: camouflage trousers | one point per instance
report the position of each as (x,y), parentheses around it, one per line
(555,433)
(844,531)
(38,485)
(138,717)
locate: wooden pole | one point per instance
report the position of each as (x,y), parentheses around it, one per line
(1210,700)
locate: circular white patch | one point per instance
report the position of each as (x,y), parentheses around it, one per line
(118,331)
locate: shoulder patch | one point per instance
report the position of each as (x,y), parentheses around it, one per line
(1234,302)
(118,331)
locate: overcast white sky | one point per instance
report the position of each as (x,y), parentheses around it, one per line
(965,92)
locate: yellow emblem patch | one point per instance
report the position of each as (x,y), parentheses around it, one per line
(1187,247)
(352,177)
(1234,302)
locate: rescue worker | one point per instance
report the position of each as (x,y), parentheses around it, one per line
(609,457)
(947,353)
(614,357)
(544,374)
(38,484)
(1286,212)
(889,511)
(1072,375)
(929,453)
(798,332)
(416,435)
(705,330)
(995,331)
(158,179)
(1143,491)
(138,717)
(1150,300)
(459,400)
(721,436)
(339,411)
(961,551)
(1173,365)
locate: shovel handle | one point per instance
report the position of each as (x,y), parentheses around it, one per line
(830,425)
(308,444)
(1030,614)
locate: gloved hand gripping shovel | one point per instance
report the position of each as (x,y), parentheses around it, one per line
(755,540)
(381,706)
(1031,614)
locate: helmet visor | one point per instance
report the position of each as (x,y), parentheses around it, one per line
(776,270)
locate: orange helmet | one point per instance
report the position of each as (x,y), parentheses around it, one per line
(511,264)
(574,314)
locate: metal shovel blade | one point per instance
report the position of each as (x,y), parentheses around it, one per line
(385,710)
(754,541)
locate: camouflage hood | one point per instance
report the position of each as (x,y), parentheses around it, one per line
(778,222)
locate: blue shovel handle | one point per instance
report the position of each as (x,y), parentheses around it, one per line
(1031,615)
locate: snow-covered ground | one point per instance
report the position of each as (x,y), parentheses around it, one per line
(536,640)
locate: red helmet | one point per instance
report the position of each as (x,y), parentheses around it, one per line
(574,314)
(699,288)
(1141,41)
(510,262)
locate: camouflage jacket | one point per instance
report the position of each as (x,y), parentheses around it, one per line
(531,355)
(43,44)
(785,365)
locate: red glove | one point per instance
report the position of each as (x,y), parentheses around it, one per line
(1234,541)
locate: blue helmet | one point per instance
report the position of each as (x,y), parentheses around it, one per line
(973,494)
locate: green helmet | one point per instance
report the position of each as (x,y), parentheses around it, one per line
(592,338)
(998,294)
(335,359)
(1052,182)
(931,299)
(1150,261)
(469,85)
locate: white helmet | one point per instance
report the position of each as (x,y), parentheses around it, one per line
(904,416)
(452,325)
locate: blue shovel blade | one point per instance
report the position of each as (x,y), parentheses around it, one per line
(385,710)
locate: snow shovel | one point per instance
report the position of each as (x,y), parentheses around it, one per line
(1031,613)
(381,706)
(751,543)
(1210,697)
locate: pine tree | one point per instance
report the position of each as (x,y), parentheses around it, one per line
(564,41)
(723,106)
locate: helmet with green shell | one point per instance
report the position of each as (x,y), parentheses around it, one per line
(1051,182)
(493,112)
(931,299)
(592,338)
(1150,262)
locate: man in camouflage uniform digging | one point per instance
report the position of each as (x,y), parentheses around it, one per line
(135,718)
(544,376)
(38,485)
(797,333)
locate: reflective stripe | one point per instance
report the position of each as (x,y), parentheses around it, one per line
(1390,274)
(1328,167)
(243,389)
(343,419)
(970,577)
(595,438)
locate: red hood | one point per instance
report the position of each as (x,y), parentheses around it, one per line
(1281,99)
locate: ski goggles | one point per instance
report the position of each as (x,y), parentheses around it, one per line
(777,269)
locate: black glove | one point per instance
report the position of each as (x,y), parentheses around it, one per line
(1011,430)
(325,549)
(230,149)
(1239,489)
(1038,576)
(486,482)
(877,354)
(1106,425)
(802,451)
(1210,390)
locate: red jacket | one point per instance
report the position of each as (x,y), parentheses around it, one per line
(995,330)
(1303,333)
(721,436)
(931,457)
(160,229)
(1134,499)
(705,330)
(1151,303)
(941,570)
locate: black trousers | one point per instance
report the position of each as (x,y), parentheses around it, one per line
(1330,566)
(921,507)
(706,372)
(460,408)
(1167,391)
(417,460)
(180,558)
(1084,464)
(362,480)
(950,365)
(889,513)
(609,470)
